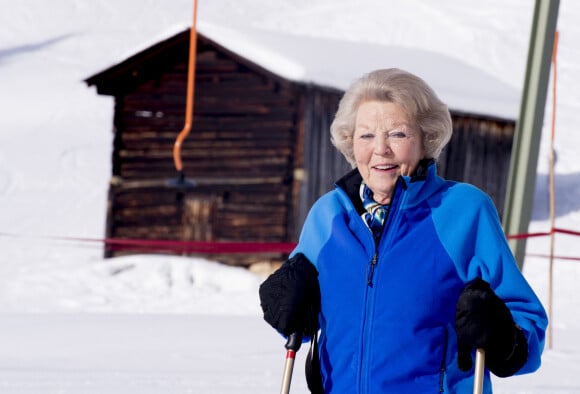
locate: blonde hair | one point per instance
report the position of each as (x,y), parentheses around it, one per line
(413,94)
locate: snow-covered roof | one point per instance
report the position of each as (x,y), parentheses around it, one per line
(336,64)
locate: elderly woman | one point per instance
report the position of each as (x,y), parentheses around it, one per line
(404,273)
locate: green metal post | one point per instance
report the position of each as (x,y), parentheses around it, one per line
(523,165)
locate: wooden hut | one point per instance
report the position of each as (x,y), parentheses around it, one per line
(259,149)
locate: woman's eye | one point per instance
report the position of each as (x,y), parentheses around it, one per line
(366,136)
(397,134)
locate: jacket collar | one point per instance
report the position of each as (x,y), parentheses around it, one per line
(422,184)
(415,185)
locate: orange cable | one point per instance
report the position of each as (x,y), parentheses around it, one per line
(190,92)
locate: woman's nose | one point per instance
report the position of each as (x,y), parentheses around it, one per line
(382,146)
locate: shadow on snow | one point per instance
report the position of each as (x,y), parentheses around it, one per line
(567,192)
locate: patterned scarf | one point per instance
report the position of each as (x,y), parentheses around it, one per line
(376,214)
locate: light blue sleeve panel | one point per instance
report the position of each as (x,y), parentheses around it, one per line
(469,228)
(317,227)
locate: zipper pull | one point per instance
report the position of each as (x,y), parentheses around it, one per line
(372,271)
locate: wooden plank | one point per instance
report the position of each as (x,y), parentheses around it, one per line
(220,124)
(277,154)
(208,145)
(160,232)
(199,218)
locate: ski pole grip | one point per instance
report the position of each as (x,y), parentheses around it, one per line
(292,345)
(294,341)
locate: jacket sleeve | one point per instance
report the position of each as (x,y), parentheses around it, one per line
(317,228)
(477,244)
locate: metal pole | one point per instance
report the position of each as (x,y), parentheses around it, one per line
(552,195)
(292,346)
(526,145)
(479,371)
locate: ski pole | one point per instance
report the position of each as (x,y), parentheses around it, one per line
(478,376)
(292,345)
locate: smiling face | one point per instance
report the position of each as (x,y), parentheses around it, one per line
(386,144)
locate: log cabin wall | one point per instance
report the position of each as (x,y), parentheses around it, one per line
(322,163)
(240,152)
(479,153)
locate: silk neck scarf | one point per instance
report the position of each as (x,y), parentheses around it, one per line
(376,214)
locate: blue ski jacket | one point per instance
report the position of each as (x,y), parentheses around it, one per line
(388,307)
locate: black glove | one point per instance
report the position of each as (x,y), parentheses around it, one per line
(290,297)
(482,320)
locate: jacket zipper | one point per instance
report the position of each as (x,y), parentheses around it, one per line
(371,270)
(366,329)
(369,298)
(389,220)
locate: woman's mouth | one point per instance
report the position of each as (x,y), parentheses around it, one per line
(385,167)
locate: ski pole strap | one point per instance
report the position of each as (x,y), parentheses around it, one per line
(313,374)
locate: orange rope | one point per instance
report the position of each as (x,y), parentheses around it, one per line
(190,92)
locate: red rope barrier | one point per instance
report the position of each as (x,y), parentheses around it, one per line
(222,247)
(175,246)
(563,231)
(219,247)
(544,233)
(547,256)
(528,235)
